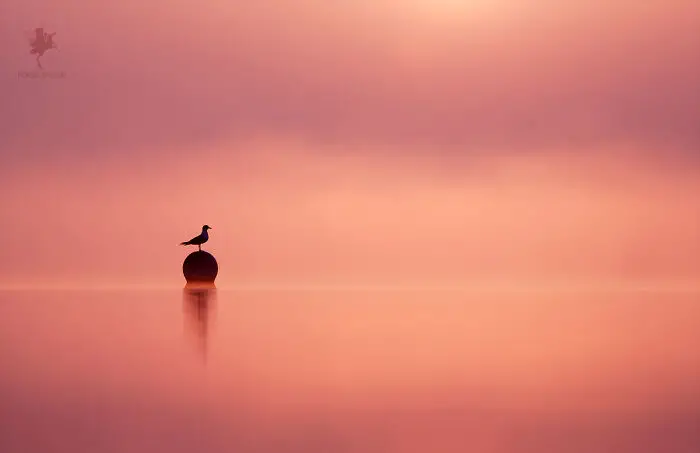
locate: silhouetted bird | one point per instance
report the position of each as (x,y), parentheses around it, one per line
(42,42)
(199,240)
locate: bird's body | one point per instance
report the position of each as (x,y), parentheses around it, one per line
(199,240)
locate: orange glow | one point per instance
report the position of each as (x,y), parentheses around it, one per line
(450,226)
(284,214)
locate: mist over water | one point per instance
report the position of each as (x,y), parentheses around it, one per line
(441,225)
(360,371)
(287,214)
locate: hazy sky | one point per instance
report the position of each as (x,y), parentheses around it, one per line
(373,141)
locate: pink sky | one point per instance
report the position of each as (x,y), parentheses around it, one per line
(345,142)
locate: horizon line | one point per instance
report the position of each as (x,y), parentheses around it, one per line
(482,285)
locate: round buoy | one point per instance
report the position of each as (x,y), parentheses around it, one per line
(200,267)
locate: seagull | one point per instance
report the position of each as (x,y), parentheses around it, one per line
(199,240)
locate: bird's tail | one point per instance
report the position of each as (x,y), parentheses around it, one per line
(184,243)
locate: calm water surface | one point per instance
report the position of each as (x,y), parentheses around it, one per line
(333,371)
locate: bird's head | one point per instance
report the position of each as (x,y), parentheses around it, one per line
(206,227)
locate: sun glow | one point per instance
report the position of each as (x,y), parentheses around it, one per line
(444,17)
(449,8)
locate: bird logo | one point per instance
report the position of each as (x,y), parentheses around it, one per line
(199,240)
(41,42)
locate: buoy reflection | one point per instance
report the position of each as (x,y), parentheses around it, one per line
(199,303)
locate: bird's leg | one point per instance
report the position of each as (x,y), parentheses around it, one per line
(200,248)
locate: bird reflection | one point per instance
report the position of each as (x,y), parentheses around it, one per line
(198,305)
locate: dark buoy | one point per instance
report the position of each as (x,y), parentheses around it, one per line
(200,267)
